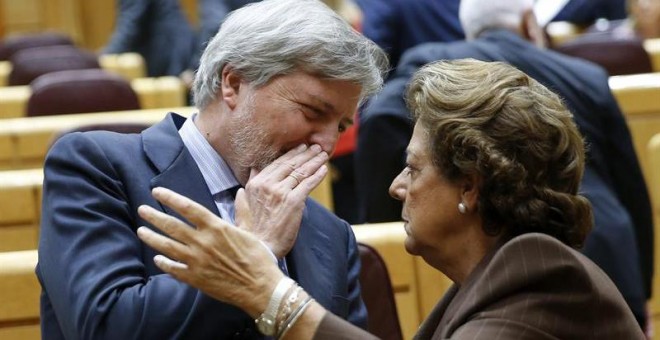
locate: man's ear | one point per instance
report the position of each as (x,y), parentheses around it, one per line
(231,84)
(531,30)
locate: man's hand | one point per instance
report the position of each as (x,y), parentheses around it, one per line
(274,198)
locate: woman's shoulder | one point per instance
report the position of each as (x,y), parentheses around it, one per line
(536,259)
(534,280)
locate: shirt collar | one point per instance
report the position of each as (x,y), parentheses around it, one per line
(214,169)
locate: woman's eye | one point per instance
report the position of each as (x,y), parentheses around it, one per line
(410,170)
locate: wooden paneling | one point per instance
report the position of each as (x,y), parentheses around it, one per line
(638,97)
(20,197)
(652,46)
(31,137)
(19,296)
(387,239)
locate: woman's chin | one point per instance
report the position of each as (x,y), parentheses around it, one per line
(409,244)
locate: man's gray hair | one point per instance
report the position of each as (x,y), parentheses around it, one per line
(277,37)
(479,15)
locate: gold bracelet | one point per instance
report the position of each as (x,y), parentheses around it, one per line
(285,309)
(266,322)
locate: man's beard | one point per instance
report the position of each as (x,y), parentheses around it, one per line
(250,142)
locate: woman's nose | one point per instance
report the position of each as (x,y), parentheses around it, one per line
(397,188)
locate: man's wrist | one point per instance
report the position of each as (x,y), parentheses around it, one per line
(270,251)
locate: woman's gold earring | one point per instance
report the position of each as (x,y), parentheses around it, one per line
(462,208)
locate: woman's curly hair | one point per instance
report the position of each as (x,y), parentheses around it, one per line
(491,120)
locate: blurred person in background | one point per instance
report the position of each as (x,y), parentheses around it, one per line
(397,25)
(157,30)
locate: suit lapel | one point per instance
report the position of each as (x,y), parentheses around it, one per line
(177,169)
(467,297)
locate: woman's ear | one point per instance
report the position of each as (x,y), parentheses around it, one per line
(470,192)
(231,84)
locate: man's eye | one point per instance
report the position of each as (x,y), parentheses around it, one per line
(341,128)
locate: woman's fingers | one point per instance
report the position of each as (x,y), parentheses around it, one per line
(164,244)
(168,265)
(194,212)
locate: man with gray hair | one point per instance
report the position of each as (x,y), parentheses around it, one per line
(621,241)
(276,86)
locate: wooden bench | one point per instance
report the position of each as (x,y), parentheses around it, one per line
(653,156)
(152,93)
(652,46)
(19,296)
(20,205)
(25,141)
(128,65)
(639,99)
(562,31)
(417,286)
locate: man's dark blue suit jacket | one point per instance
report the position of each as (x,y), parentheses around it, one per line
(99,281)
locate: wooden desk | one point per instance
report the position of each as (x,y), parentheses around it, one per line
(652,46)
(25,141)
(417,286)
(19,296)
(563,31)
(5,69)
(128,65)
(20,202)
(639,98)
(387,239)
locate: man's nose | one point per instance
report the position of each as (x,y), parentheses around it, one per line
(326,137)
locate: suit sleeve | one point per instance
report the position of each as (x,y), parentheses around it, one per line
(129,24)
(628,182)
(484,329)
(90,260)
(334,328)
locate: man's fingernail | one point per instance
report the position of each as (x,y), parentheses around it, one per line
(316,148)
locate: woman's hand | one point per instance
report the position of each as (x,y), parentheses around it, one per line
(225,262)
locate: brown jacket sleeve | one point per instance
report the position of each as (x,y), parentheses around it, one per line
(335,328)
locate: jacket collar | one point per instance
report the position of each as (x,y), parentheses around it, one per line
(176,168)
